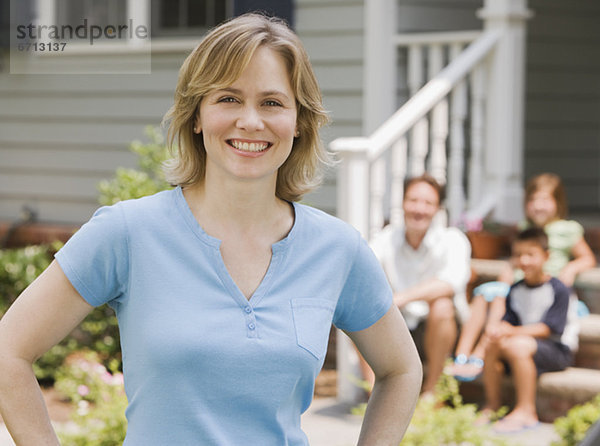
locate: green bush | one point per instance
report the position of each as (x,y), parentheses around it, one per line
(132,183)
(18,268)
(445,420)
(99,398)
(572,427)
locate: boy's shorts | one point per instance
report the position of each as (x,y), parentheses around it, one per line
(551,356)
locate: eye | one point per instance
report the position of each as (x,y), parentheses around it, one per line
(227,99)
(272,103)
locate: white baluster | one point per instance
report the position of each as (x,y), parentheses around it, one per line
(399,152)
(439,121)
(477,135)
(436,60)
(353,182)
(458,113)
(419,135)
(439,135)
(378,188)
(415,68)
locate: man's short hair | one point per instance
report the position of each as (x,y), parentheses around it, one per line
(425,178)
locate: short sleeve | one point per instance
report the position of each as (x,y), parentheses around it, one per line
(509,315)
(556,316)
(366,295)
(567,232)
(96,258)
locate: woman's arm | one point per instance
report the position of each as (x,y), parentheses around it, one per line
(390,351)
(583,259)
(48,310)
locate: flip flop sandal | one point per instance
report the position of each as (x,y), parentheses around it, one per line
(472,360)
(513,427)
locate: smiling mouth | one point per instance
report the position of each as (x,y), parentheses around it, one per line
(245,146)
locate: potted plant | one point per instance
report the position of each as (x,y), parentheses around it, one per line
(489,239)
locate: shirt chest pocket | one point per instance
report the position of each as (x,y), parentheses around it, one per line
(312,323)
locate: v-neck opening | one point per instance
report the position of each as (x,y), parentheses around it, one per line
(278,250)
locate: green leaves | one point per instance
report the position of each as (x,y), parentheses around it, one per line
(132,183)
(573,427)
(99,400)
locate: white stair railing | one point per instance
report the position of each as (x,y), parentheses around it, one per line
(416,136)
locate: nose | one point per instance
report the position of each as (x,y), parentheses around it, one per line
(419,207)
(524,260)
(250,119)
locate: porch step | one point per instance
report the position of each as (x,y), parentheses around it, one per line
(557,392)
(588,289)
(560,391)
(588,355)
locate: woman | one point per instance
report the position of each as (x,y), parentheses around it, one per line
(224,287)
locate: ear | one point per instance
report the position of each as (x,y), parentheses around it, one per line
(198,123)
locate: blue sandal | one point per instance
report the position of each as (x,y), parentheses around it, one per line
(471,360)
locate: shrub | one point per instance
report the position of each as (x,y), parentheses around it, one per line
(18,268)
(572,427)
(445,420)
(99,397)
(132,183)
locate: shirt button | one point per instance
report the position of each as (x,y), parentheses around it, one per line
(251,326)
(248,309)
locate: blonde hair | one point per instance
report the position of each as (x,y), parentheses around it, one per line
(217,62)
(552,183)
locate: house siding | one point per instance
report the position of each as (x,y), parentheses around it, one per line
(563,98)
(333,33)
(61,134)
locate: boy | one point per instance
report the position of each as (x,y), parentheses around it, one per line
(529,339)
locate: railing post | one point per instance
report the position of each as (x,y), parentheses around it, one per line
(503,165)
(379,84)
(352,207)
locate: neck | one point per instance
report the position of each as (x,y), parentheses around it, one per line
(537,279)
(240,206)
(415,239)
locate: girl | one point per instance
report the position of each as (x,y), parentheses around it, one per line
(545,207)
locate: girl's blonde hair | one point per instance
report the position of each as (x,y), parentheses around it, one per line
(552,183)
(217,62)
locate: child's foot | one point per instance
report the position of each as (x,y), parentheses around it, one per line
(514,423)
(466,369)
(485,417)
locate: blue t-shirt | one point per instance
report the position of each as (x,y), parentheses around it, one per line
(202,364)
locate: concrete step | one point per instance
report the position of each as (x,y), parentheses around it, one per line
(588,355)
(557,392)
(588,289)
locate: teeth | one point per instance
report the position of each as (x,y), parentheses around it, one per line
(249,147)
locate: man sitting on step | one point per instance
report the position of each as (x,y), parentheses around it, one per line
(428,267)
